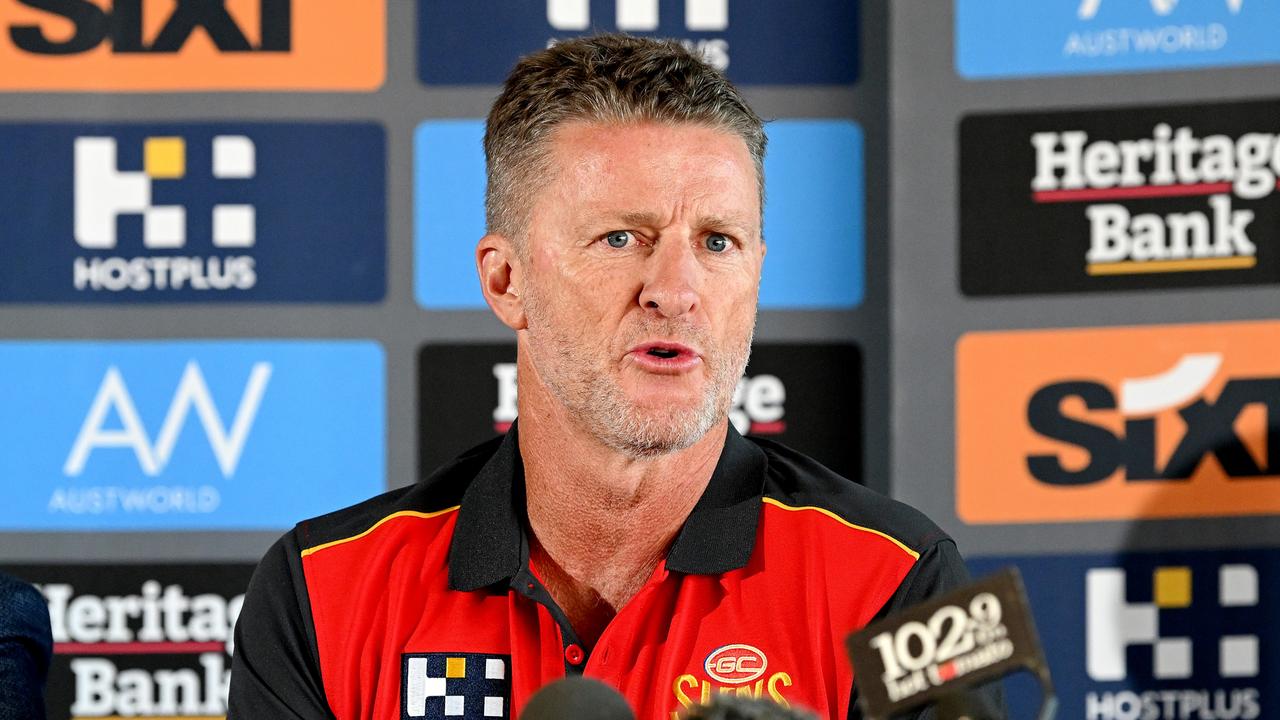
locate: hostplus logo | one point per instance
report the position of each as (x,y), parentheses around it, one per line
(642,16)
(1115,625)
(1111,179)
(121,25)
(104,194)
(113,400)
(758,405)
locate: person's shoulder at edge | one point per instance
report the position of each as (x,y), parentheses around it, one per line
(795,480)
(441,490)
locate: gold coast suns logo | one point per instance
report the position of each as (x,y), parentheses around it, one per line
(738,669)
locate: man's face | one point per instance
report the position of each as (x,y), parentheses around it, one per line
(642,268)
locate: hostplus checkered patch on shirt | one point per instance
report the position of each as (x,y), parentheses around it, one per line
(470,686)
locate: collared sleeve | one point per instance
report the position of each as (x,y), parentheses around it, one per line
(275,672)
(939,570)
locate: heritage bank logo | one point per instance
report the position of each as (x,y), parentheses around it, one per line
(192,213)
(1154,636)
(759,42)
(188,435)
(191,45)
(813,180)
(142,641)
(1118,423)
(805,396)
(1132,198)
(1012,38)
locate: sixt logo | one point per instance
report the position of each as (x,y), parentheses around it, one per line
(103,194)
(1170,163)
(757,408)
(1210,425)
(1118,423)
(122,24)
(1113,625)
(642,16)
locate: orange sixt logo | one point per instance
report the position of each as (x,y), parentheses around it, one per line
(738,669)
(1118,423)
(187,45)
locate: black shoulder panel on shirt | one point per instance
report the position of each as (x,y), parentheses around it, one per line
(798,480)
(440,490)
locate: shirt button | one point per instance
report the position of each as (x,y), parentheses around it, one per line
(573,654)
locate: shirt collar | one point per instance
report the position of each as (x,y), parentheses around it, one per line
(489,543)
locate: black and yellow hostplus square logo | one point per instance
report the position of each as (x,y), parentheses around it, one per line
(470,686)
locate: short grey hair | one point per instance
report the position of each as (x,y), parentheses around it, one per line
(607,78)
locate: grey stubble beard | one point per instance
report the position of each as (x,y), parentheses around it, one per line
(599,406)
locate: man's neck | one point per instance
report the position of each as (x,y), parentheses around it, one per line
(602,521)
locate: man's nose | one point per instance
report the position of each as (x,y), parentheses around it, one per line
(672,279)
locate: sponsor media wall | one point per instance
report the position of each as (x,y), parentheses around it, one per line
(1022,273)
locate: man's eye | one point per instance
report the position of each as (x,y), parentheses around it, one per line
(618,238)
(717,242)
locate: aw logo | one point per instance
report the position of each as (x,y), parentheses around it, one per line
(1118,423)
(805,396)
(767,42)
(162,45)
(189,435)
(1067,37)
(813,178)
(182,213)
(1154,636)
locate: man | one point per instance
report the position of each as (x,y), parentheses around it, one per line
(623,529)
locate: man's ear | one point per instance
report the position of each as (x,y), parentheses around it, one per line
(501,274)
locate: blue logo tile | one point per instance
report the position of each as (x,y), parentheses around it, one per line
(251,212)
(814,220)
(761,42)
(1159,635)
(1015,38)
(187,435)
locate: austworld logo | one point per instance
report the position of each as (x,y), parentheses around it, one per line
(1060,37)
(753,42)
(151,641)
(194,213)
(188,435)
(1154,636)
(1121,199)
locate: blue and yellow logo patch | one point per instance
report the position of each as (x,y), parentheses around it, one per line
(470,686)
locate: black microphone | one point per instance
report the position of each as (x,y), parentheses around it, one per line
(728,707)
(938,650)
(579,698)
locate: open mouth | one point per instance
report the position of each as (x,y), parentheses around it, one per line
(664,353)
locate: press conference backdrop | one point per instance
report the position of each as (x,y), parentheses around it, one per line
(1022,274)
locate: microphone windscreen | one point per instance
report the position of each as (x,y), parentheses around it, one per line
(579,698)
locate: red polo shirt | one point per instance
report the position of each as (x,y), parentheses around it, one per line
(422,603)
